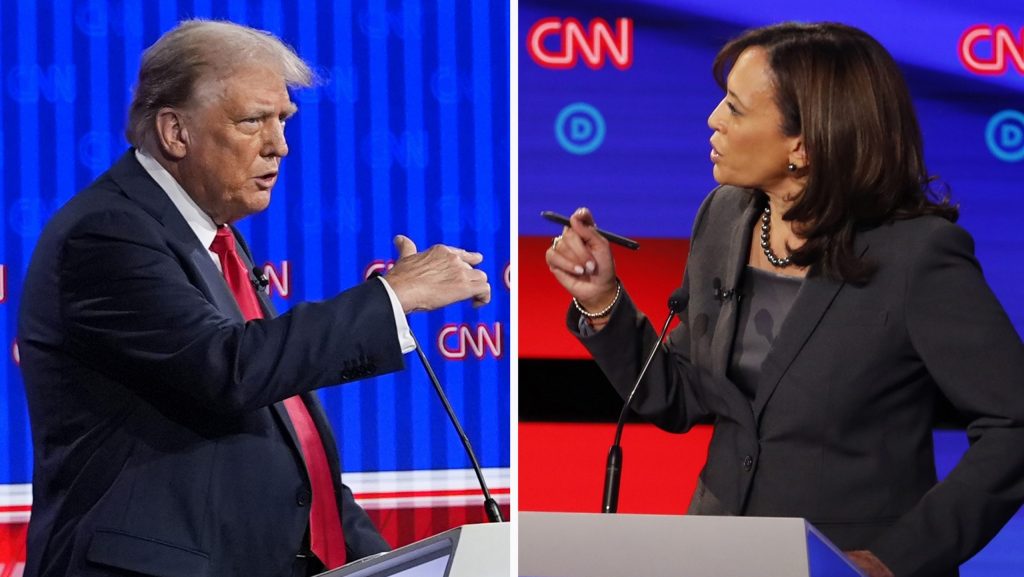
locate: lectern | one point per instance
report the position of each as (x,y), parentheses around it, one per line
(468,551)
(598,545)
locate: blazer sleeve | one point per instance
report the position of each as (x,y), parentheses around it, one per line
(669,396)
(973,353)
(132,312)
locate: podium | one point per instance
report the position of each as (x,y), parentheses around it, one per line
(482,550)
(599,545)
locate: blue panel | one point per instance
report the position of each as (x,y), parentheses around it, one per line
(823,561)
(26,217)
(416,453)
(310,201)
(378,27)
(12,452)
(343,91)
(451,188)
(168,12)
(202,9)
(237,10)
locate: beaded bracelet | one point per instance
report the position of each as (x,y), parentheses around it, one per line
(604,312)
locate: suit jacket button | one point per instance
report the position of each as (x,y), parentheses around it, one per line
(302,498)
(748,463)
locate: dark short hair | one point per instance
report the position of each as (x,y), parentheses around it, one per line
(842,91)
(195,53)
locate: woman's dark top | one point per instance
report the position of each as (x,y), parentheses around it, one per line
(766,298)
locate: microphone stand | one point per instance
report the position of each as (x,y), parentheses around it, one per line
(490,505)
(613,465)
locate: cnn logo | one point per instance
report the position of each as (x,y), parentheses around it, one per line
(459,341)
(592,44)
(999,42)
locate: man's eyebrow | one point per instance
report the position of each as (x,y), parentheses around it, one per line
(267,111)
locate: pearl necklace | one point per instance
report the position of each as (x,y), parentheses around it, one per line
(766,230)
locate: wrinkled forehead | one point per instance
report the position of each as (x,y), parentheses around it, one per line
(244,86)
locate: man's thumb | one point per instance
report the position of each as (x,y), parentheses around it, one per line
(405,245)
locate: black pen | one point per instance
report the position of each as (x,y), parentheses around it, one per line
(611,236)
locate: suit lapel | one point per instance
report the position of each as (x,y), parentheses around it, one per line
(813,300)
(269,312)
(216,288)
(136,184)
(734,263)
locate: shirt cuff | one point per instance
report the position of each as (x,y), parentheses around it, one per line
(405,340)
(584,327)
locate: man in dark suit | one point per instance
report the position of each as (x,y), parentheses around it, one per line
(174,428)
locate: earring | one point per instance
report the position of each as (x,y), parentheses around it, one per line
(791,167)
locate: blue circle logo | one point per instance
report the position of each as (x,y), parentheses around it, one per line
(1004,135)
(580,128)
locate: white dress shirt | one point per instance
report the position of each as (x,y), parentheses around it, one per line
(205,230)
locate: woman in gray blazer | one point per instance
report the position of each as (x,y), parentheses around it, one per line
(820,344)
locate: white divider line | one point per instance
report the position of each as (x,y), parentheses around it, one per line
(454,501)
(374,490)
(16,494)
(16,517)
(425,480)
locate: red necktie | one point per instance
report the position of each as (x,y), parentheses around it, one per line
(325,534)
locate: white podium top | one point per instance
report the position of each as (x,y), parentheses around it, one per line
(597,545)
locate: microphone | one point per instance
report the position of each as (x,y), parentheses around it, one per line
(490,505)
(721,295)
(259,280)
(613,466)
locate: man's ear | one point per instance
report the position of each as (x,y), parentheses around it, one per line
(171,133)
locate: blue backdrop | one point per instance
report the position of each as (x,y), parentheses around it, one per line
(408,133)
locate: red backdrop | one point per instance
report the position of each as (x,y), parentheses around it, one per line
(561,467)
(651,273)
